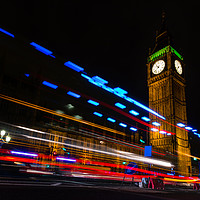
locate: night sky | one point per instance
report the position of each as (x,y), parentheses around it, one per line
(112,40)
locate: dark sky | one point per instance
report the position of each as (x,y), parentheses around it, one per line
(112,40)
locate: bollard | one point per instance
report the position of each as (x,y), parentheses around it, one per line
(156,184)
(196,186)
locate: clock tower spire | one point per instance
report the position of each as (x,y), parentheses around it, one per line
(163,36)
(166,83)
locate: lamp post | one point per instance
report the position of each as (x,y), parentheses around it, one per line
(5,137)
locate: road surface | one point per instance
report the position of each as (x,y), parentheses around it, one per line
(86,190)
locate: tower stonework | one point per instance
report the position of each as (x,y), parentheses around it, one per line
(166,83)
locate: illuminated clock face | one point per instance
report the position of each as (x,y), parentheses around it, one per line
(178,66)
(158,66)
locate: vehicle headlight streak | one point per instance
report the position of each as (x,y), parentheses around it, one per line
(66,159)
(145,159)
(85,133)
(119,154)
(24,154)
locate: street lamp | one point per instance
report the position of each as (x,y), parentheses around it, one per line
(8,138)
(3,133)
(5,138)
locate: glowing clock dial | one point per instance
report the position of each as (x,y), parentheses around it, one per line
(178,66)
(158,67)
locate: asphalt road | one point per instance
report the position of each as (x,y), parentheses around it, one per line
(61,190)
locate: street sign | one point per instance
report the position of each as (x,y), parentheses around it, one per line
(129,170)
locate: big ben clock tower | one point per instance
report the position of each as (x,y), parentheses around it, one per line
(166,83)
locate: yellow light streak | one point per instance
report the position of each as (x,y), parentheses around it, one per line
(34,106)
(188,155)
(181,180)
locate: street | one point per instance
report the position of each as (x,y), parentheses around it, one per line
(65,189)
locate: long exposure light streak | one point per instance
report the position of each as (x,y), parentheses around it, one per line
(123,96)
(30,105)
(106,138)
(24,154)
(6,32)
(38,172)
(98,170)
(87,133)
(115,109)
(132,157)
(66,159)
(120,111)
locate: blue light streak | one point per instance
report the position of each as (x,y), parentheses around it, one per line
(120,91)
(133,112)
(154,129)
(148,109)
(123,125)
(73,66)
(99,80)
(24,154)
(85,76)
(180,125)
(163,132)
(111,119)
(142,141)
(6,32)
(188,128)
(93,102)
(122,95)
(156,123)
(66,159)
(95,82)
(41,49)
(146,119)
(73,94)
(98,114)
(170,174)
(129,99)
(51,85)
(120,105)
(197,134)
(27,75)
(133,129)
(109,89)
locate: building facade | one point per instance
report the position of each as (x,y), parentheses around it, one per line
(50,105)
(53,106)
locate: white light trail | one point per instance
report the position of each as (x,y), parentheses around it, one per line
(123,155)
(126,155)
